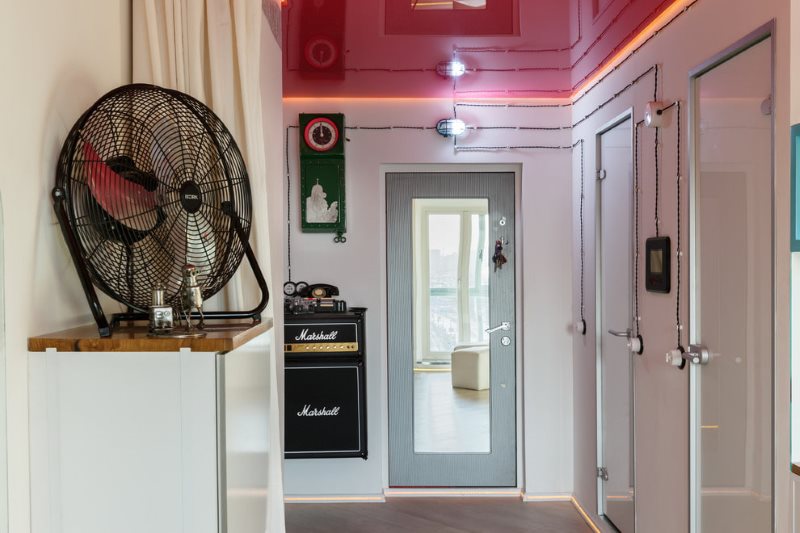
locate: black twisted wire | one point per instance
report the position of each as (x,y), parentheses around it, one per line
(679,252)
(636,228)
(655,150)
(583,254)
(288,205)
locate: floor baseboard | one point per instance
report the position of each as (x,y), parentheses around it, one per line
(328,498)
(452,493)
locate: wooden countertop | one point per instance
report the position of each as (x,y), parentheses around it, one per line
(220,337)
(795,469)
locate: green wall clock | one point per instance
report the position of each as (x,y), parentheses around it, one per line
(322,191)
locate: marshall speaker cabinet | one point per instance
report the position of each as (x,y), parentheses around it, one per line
(326,408)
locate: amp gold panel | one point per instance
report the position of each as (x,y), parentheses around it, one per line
(321,347)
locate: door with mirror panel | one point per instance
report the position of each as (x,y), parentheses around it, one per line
(452,360)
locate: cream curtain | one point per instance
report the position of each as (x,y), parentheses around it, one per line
(211,50)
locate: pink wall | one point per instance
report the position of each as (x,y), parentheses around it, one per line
(372,63)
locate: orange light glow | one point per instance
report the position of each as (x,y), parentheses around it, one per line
(445,492)
(334,499)
(654,27)
(413,100)
(542,498)
(585,516)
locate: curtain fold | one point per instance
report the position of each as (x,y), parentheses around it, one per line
(211,50)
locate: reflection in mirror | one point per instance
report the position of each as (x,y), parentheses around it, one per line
(734,295)
(451,315)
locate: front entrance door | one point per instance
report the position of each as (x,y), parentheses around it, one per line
(731,277)
(615,325)
(451,329)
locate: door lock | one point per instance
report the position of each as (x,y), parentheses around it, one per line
(697,354)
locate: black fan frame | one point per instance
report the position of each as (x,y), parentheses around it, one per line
(89,277)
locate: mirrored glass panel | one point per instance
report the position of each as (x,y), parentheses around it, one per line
(451,314)
(733,216)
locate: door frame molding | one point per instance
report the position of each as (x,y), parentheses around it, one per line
(750,40)
(517,169)
(628,114)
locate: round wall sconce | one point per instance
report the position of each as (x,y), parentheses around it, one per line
(451,69)
(451,127)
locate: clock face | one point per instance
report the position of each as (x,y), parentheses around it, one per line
(321,134)
(321,53)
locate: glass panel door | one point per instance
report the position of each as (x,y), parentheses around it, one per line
(615,265)
(731,293)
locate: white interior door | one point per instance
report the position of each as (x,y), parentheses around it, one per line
(615,370)
(731,239)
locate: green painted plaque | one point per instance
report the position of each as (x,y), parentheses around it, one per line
(322,195)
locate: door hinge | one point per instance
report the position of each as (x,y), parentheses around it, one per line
(601,175)
(602,473)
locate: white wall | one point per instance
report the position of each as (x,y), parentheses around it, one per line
(795,61)
(794,97)
(662,392)
(358,268)
(57,58)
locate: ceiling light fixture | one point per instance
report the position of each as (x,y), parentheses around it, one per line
(451,69)
(451,127)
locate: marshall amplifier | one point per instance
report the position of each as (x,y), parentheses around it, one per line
(332,334)
(326,409)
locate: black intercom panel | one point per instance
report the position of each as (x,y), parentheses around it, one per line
(657,264)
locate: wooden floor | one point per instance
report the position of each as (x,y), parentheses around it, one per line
(436,515)
(447,419)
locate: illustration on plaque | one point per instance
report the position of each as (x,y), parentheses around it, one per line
(317,209)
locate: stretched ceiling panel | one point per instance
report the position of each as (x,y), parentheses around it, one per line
(390,48)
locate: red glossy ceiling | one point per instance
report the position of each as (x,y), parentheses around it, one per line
(511,48)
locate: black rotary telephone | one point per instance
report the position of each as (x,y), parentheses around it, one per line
(301,297)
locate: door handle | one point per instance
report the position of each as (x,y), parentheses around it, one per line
(505,326)
(636,344)
(622,334)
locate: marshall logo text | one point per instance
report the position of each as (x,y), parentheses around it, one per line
(308,411)
(306,336)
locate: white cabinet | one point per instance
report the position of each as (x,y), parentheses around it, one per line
(161,442)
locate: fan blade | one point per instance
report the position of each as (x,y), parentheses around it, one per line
(201,249)
(165,154)
(127,202)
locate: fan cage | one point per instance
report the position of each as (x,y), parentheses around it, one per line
(145,173)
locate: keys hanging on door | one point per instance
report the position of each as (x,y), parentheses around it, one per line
(498,258)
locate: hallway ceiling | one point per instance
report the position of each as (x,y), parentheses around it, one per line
(511,48)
